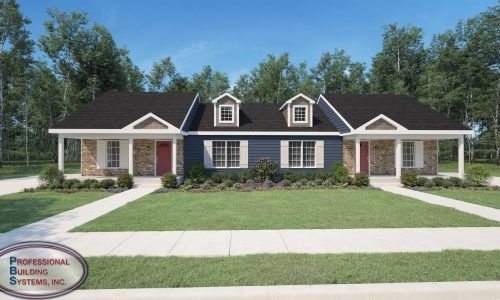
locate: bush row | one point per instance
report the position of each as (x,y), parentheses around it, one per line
(53,179)
(476,176)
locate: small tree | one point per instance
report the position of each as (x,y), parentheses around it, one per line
(265,168)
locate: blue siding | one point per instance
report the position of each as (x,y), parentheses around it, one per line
(190,117)
(333,117)
(263,146)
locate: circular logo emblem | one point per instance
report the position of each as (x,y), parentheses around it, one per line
(40,270)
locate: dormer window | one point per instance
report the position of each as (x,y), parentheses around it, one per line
(300,113)
(226,113)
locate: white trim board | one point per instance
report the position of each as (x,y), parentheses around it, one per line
(226,95)
(295,97)
(284,133)
(147,116)
(196,99)
(321,97)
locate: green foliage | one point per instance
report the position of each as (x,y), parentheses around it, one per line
(107,183)
(51,175)
(429,184)
(361,179)
(169,181)
(318,181)
(73,184)
(340,173)
(409,178)
(227,183)
(197,172)
(421,181)
(208,184)
(455,181)
(329,181)
(438,181)
(447,183)
(287,182)
(231,176)
(478,175)
(90,183)
(265,168)
(125,180)
(216,177)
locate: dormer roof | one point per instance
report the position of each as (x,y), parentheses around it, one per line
(295,97)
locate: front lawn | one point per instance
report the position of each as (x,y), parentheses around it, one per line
(486,198)
(452,166)
(19,169)
(286,269)
(20,209)
(279,209)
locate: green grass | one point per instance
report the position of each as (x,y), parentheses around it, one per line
(279,209)
(19,169)
(20,209)
(486,198)
(452,166)
(113,272)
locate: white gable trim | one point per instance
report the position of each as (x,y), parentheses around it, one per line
(196,99)
(226,95)
(385,118)
(321,97)
(147,116)
(295,97)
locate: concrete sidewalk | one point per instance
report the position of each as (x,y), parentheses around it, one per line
(310,241)
(59,224)
(460,290)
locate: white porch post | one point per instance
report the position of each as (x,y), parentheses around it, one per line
(131,156)
(358,154)
(461,157)
(398,157)
(174,156)
(60,153)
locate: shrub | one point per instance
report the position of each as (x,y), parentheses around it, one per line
(51,175)
(448,184)
(429,184)
(361,179)
(251,184)
(438,181)
(188,184)
(421,181)
(329,181)
(303,175)
(280,184)
(311,183)
(197,172)
(478,175)
(125,180)
(215,177)
(467,183)
(169,181)
(231,176)
(322,175)
(457,182)
(318,181)
(245,176)
(116,190)
(286,182)
(265,168)
(267,184)
(227,183)
(161,190)
(55,185)
(343,180)
(302,182)
(90,183)
(340,172)
(107,183)
(71,183)
(409,178)
(208,184)
(238,186)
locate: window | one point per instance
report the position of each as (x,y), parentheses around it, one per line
(301,154)
(300,114)
(408,154)
(113,154)
(226,154)
(226,113)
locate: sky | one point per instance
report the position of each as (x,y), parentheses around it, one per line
(234,36)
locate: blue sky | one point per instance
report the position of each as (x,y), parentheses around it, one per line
(233,36)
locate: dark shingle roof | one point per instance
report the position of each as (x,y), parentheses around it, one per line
(115,110)
(359,109)
(259,117)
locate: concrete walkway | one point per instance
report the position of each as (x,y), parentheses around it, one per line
(310,241)
(59,224)
(16,185)
(460,290)
(475,209)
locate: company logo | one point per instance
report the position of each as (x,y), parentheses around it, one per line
(40,270)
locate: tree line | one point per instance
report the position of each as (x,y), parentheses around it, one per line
(457,74)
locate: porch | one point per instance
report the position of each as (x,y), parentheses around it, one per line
(140,155)
(390,155)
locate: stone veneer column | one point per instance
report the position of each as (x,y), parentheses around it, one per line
(180,157)
(348,155)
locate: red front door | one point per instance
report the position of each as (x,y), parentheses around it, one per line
(364,156)
(163,157)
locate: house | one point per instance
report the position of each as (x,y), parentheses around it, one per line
(149,134)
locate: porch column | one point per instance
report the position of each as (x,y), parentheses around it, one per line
(461,157)
(131,156)
(60,153)
(358,154)
(398,157)
(174,156)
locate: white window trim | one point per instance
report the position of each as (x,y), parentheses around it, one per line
(302,155)
(220,114)
(307,114)
(414,155)
(106,155)
(225,160)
